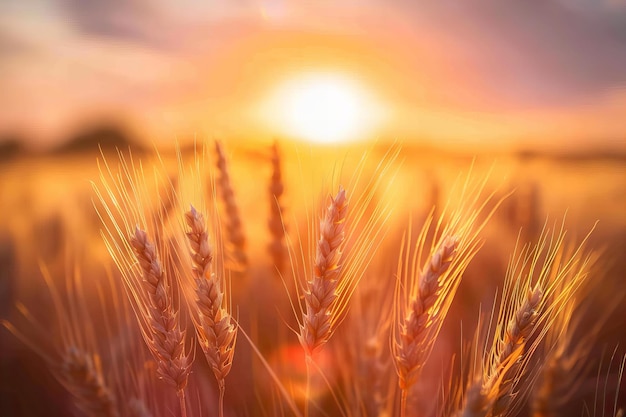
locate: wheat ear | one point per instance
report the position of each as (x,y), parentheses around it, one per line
(424,291)
(327,288)
(277,248)
(492,395)
(234,229)
(527,312)
(214,326)
(321,289)
(166,340)
(559,373)
(408,350)
(78,371)
(75,361)
(565,364)
(520,327)
(81,375)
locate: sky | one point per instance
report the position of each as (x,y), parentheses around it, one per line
(501,73)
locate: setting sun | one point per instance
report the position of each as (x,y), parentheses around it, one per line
(323,108)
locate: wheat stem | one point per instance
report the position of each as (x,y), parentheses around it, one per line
(183,404)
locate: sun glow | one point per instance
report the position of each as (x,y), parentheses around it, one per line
(323,108)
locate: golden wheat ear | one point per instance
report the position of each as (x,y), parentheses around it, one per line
(214,324)
(322,290)
(82,376)
(72,352)
(79,372)
(277,247)
(127,213)
(165,339)
(539,285)
(427,278)
(234,226)
(342,246)
(361,352)
(565,355)
(420,313)
(328,265)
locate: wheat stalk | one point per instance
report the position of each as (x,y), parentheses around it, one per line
(409,348)
(519,328)
(423,295)
(75,361)
(215,330)
(539,285)
(565,363)
(81,375)
(276,225)
(361,355)
(321,290)
(165,338)
(234,229)
(492,395)
(328,286)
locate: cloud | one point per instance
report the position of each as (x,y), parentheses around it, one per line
(127,20)
(529,52)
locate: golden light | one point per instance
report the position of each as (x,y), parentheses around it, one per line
(323,108)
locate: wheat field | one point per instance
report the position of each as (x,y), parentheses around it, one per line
(277,279)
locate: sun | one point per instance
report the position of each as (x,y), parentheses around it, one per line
(322,108)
